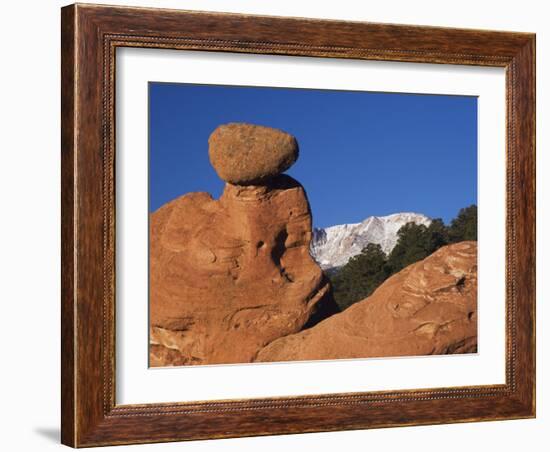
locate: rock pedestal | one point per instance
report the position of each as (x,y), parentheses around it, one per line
(229,276)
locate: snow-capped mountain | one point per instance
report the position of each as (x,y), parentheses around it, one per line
(333,246)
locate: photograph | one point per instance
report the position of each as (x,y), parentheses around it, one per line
(292,224)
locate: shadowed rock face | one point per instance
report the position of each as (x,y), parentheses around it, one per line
(428,308)
(229,276)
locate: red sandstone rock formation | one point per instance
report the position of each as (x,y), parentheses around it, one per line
(428,308)
(229,276)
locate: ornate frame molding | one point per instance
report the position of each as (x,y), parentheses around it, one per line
(90,36)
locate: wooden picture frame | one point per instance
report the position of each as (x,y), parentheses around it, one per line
(90,36)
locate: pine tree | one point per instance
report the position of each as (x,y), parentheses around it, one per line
(464,226)
(360,276)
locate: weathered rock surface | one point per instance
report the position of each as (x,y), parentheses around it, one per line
(244,154)
(428,308)
(229,276)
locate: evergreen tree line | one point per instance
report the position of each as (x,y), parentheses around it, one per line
(366,271)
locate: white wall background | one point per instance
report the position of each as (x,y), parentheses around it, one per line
(29,229)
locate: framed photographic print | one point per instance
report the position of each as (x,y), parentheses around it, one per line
(281,225)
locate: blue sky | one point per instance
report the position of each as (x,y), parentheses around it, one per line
(361,153)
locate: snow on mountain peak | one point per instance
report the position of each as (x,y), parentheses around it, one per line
(333,246)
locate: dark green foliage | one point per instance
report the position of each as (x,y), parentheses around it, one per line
(464,226)
(415,242)
(360,276)
(365,272)
(438,235)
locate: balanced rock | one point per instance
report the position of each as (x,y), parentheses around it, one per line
(229,276)
(245,154)
(430,307)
